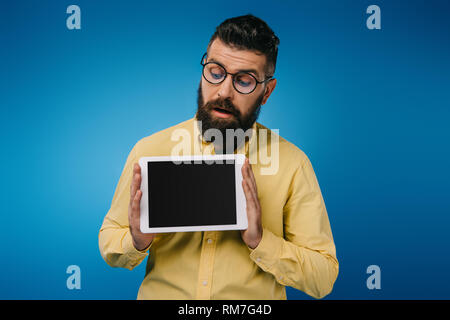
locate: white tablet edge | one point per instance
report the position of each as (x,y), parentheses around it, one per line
(241,212)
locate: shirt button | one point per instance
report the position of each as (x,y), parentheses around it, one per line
(205,283)
(258,259)
(209,241)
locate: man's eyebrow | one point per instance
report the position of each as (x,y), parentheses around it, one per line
(242,70)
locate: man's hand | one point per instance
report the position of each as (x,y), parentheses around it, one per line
(140,240)
(253,235)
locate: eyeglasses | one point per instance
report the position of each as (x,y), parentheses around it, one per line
(243,82)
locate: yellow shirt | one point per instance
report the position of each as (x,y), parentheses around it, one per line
(296,250)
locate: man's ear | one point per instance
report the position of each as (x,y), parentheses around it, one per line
(269,89)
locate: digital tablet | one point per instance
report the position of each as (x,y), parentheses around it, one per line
(192,193)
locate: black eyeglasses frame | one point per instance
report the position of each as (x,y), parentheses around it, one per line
(233,75)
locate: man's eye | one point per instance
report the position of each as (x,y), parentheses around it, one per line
(244,81)
(217,75)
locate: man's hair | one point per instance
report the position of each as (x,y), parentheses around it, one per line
(249,33)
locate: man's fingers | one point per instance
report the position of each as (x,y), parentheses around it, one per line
(249,174)
(136,205)
(246,175)
(135,181)
(136,170)
(135,184)
(137,200)
(252,176)
(248,195)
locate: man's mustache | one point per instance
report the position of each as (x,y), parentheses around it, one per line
(225,104)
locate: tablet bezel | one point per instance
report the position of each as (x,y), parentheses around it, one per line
(241,211)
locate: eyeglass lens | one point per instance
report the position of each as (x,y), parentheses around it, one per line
(243,82)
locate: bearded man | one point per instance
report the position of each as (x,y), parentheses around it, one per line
(288,241)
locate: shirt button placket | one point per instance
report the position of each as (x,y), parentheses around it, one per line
(206,266)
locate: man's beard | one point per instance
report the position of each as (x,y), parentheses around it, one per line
(236,121)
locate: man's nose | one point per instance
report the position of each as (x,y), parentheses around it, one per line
(226,89)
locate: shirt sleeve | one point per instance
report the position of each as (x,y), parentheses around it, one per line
(305,258)
(115,241)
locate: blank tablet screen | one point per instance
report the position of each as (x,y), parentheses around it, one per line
(189,194)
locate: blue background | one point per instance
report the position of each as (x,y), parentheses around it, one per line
(370,108)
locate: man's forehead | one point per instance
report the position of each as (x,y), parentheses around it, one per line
(236,59)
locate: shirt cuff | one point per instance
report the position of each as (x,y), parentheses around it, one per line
(267,253)
(130,250)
